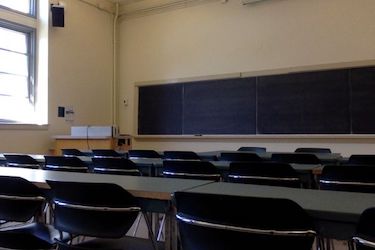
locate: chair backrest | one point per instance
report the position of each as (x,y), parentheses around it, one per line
(252,149)
(65,163)
(22,161)
(106,153)
(239,157)
(72,152)
(313,150)
(364,237)
(114,166)
(210,221)
(202,170)
(362,159)
(180,155)
(355,178)
(20,200)
(134,154)
(264,173)
(299,158)
(93,209)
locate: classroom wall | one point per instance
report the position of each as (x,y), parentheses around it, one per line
(80,75)
(221,38)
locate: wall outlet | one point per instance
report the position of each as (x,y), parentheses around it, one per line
(69,114)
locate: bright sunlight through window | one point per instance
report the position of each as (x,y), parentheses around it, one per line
(23,6)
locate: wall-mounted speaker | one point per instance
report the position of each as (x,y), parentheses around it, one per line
(58,19)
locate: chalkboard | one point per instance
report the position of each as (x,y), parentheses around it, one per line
(220,107)
(338,101)
(160,109)
(363,100)
(304,103)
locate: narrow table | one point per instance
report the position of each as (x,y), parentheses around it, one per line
(325,158)
(335,213)
(154,193)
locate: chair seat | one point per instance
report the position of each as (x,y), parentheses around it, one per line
(125,243)
(29,236)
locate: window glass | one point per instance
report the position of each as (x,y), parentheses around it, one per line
(23,6)
(13,40)
(16,62)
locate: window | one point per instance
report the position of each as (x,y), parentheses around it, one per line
(17,63)
(23,6)
(16,72)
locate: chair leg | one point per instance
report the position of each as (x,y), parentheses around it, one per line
(161,228)
(151,234)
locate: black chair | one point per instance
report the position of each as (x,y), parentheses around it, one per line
(120,166)
(73,152)
(364,238)
(252,149)
(221,222)
(299,158)
(21,161)
(264,173)
(65,163)
(21,203)
(354,178)
(362,160)
(313,150)
(181,155)
(239,157)
(143,154)
(100,210)
(106,153)
(202,170)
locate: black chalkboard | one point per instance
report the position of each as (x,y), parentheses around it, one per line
(363,100)
(220,107)
(160,110)
(304,103)
(323,102)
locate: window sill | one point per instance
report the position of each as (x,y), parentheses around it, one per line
(23,127)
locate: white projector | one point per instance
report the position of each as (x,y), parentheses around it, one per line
(92,131)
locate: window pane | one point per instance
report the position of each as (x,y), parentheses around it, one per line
(19,5)
(11,85)
(13,40)
(17,109)
(13,63)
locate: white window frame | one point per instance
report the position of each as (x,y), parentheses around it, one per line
(35,25)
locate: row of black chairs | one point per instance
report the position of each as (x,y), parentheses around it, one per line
(346,177)
(74,164)
(104,212)
(304,156)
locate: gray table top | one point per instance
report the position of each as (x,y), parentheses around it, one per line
(267,155)
(142,187)
(320,204)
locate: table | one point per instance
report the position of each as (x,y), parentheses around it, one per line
(335,213)
(154,193)
(326,158)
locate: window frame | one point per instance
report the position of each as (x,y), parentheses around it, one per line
(31,52)
(19,21)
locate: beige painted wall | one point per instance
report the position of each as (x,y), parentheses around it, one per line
(216,38)
(80,75)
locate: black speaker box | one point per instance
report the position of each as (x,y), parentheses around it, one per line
(58,19)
